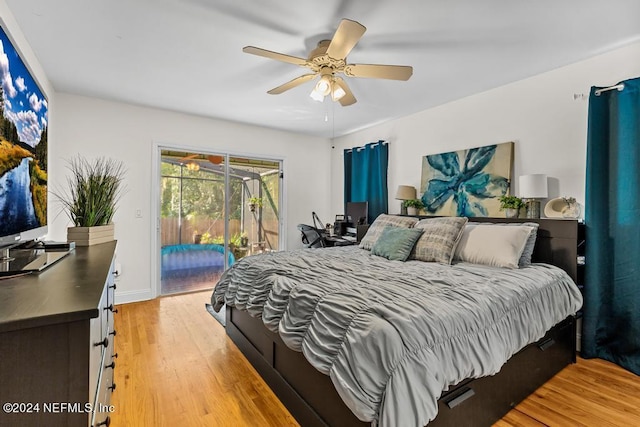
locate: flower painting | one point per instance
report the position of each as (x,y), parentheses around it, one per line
(467,182)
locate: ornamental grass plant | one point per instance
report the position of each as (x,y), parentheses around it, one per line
(94,189)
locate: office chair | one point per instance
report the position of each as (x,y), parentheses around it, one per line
(311,237)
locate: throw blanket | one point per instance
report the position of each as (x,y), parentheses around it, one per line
(394,335)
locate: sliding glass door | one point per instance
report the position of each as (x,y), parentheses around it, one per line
(214,210)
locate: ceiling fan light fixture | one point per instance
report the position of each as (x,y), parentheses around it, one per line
(193,166)
(316,96)
(323,87)
(337,92)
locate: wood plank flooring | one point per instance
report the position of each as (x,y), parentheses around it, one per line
(177,367)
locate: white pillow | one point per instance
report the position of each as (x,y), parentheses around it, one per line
(492,245)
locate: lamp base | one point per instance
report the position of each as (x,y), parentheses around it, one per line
(533,208)
(403,209)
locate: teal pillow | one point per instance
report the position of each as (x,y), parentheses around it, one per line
(396,243)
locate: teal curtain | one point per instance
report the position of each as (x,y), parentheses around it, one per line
(611,324)
(365,177)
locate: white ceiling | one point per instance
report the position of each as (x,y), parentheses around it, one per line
(186,55)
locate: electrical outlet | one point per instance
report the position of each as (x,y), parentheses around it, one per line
(138,213)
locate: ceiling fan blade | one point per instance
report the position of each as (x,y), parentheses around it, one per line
(291,84)
(392,72)
(345,38)
(348,97)
(274,55)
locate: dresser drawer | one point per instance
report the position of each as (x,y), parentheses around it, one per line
(102,409)
(97,347)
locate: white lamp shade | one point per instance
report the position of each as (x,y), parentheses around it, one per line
(533,186)
(406,192)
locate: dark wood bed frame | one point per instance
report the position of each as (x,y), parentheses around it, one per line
(313,401)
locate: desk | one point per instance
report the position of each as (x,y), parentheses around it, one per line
(338,241)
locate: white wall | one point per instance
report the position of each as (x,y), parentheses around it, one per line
(539,114)
(15,34)
(95,128)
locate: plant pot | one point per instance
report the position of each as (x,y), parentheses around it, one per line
(87,236)
(511,212)
(412,211)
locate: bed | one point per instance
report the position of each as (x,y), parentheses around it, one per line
(345,337)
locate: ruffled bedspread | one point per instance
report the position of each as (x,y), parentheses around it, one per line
(394,335)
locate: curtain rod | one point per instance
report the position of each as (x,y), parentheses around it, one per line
(371,144)
(604,89)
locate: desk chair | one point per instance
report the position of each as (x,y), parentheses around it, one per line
(311,237)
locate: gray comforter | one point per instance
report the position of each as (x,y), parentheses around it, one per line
(394,335)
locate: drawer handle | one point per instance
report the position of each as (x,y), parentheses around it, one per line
(104,342)
(113,333)
(466,394)
(110,307)
(546,344)
(112,387)
(106,422)
(113,286)
(111,365)
(114,356)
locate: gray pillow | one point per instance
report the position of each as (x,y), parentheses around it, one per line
(395,243)
(383,220)
(527,253)
(439,240)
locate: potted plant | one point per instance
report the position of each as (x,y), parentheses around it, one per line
(94,189)
(511,205)
(255,202)
(413,206)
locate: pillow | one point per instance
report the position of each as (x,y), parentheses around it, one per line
(527,253)
(492,245)
(380,223)
(439,240)
(395,243)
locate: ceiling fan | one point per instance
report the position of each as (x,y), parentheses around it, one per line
(328,60)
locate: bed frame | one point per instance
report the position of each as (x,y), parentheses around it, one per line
(313,401)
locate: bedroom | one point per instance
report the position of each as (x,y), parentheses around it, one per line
(538,112)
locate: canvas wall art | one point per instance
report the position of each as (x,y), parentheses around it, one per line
(23,145)
(467,182)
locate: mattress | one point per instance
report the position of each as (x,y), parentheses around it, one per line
(393,336)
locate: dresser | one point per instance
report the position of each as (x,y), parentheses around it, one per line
(56,342)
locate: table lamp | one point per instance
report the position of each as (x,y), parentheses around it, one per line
(533,187)
(405,192)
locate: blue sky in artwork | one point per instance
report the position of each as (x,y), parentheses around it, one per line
(24,103)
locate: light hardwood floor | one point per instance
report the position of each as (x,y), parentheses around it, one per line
(176,367)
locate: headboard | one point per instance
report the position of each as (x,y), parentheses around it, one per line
(556,243)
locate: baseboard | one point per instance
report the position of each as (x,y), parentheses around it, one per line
(125,297)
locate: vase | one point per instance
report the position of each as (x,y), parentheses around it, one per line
(412,211)
(87,236)
(572,210)
(511,212)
